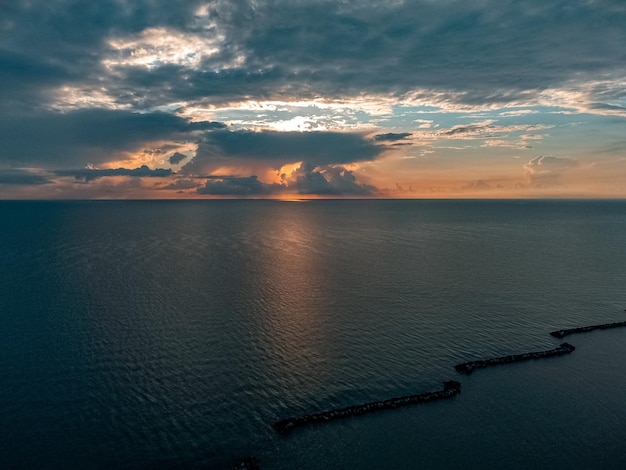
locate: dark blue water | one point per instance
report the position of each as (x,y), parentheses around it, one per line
(173,334)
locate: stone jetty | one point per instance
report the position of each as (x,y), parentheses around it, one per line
(450,389)
(469,367)
(584,329)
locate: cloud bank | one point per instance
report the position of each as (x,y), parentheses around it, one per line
(146,53)
(279,148)
(306,180)
(398,89)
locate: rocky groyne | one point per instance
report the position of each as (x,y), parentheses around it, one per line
(450,389)
(469,367)
(584,329)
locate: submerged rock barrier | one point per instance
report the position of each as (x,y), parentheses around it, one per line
(584,329)
(469,367)
(450,389)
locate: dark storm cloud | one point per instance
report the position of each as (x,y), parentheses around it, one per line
(279,148)
(391,136)
(89,174)
(24,78)
(491,51)
(248,186)
(183,183)
(306,180)
(86,136)
(176,158)
(22,177)
(45,42)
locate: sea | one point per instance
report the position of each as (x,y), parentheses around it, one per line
(173,334)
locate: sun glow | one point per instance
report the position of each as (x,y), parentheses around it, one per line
(286,171)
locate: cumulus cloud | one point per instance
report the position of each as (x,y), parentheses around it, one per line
(327,181)
(305,180)
(343,182)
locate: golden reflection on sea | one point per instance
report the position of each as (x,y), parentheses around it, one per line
(291,288)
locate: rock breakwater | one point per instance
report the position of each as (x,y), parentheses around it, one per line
(584,329)
(450,389)
(469,367)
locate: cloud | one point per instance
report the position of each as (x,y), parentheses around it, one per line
(343,182)
(276,149)
(79,137)
(25,78)
(183,184)
(155,47)
(148,52)
(495,135)
(327,181)
(619,110)
(250,186)
(306,180)
(477,185)
(90,174)
(502,52)
(391,136)
(547,170)
(176,158)
(549,163)
(471,129)
(23,177)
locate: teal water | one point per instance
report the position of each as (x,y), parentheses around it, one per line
(162,334)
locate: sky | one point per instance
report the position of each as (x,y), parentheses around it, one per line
(312,98)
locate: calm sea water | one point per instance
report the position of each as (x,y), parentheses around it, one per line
(173,334)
